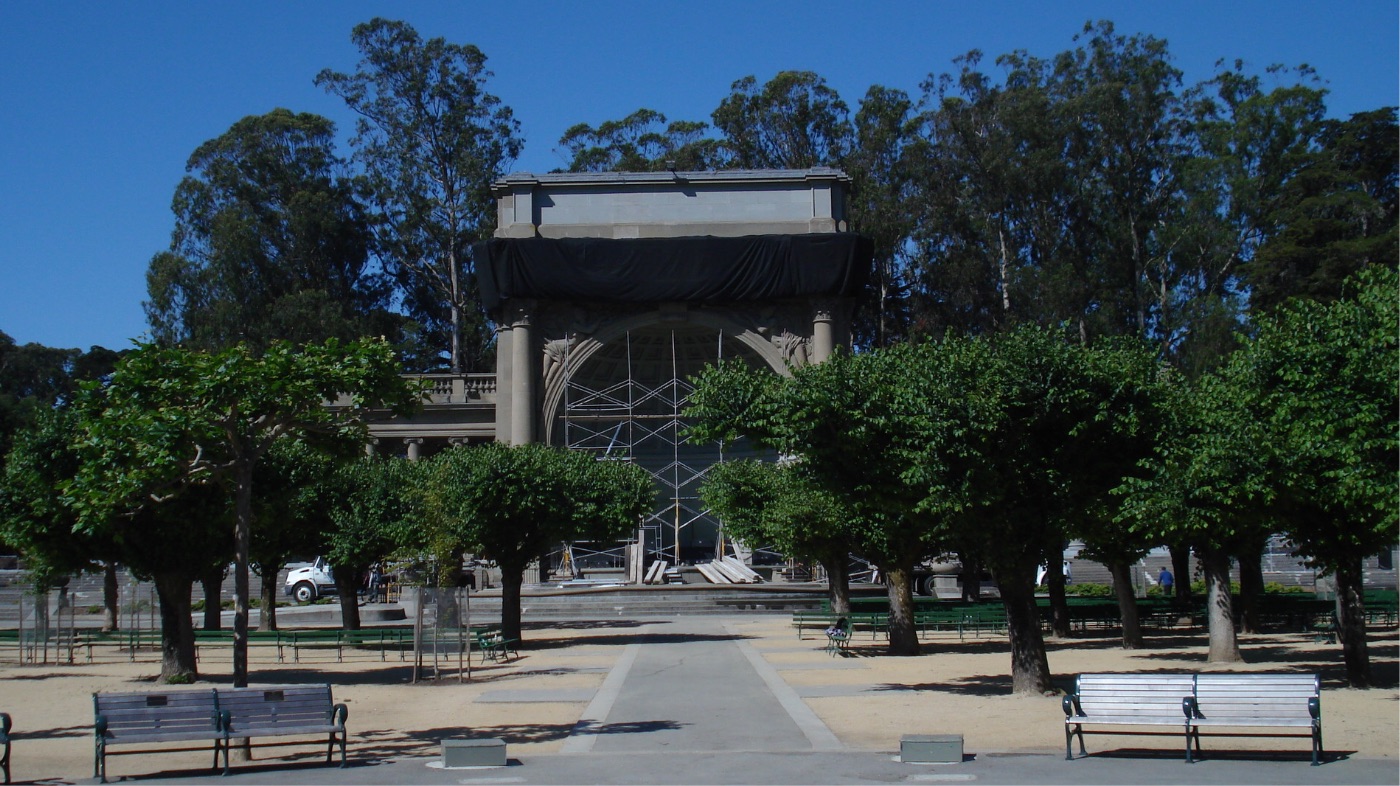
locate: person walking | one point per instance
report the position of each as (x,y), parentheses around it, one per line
(1165,580)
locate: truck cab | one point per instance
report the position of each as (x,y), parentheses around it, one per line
(307,583)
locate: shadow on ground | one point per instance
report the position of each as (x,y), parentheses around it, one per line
(387,743)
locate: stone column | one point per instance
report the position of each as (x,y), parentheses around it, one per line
(370,445)
(505,381)
(525,369)
(415,447)
(823,331)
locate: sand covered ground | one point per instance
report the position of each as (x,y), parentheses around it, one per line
(868,700)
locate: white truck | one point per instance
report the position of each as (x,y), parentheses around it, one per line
(307,583)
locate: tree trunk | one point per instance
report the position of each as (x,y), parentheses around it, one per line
(1220,619)
(1127,603)
(177,661)
(1059,605)
(512,577)
(242,539)
(110,598)
(971,579)
(1181,571)
(212,584)
(347,585)
(1251,586)
(1351,624)
(267,600)
(456,312)
(838,583)
(1030,668)
(904,637)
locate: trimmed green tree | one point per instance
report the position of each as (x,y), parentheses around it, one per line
(770,504)
(170,419)
(510,504)
(1324,382)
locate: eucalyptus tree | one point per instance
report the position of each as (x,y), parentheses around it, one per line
(270,242)
(431,139)
(641,142)
(883,146)
(170,420)
(1337,215)
(793,121)
(35,378)
(510,504)
(1044,193)
(992,175)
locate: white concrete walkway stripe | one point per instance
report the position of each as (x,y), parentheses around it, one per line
(581,739)
(817,733)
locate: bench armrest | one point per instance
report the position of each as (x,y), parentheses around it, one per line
(1315,708)
(224,721)
(338,715)
(1070,704)
(99,725)
(1191,708)
(5,724)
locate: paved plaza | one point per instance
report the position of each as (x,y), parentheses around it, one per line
(712,699)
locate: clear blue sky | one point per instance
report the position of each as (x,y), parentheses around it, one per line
(101,103)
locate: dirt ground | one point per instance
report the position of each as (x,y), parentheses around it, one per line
(868,700)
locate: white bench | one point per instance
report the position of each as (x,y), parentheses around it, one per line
(1192,702)
(1257,701)
(1127,700)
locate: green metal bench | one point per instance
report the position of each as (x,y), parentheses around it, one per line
(5,726)
(493,644)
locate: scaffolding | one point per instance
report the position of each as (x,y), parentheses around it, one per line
(625,402)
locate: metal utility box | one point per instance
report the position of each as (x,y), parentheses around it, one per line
(931,748)
(474,753)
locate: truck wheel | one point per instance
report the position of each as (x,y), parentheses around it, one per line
(304,592)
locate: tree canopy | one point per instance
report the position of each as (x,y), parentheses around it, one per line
(431,140)
(270,243)
(170,420)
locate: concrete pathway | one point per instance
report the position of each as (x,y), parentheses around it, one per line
(696,686)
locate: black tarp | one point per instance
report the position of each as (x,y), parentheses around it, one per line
(645,270)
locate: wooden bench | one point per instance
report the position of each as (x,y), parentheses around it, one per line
(1127,700)
(5,726)
(1257,701)
(155,717)
(493,644)
(284,710)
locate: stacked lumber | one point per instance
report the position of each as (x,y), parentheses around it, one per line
(656,574)
(728,570)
